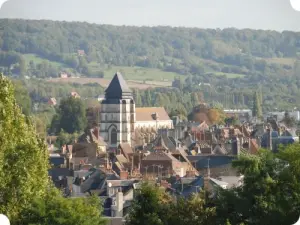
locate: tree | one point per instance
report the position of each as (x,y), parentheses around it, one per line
(288,120)
(257,110)
(150,207)
(22,66)
(270,193)
(195,99)
(297,68)
(23,158)
(66,138)
(148,98)
(137,98)
(22,97)
(193,210)
(71,116)
(216,116)
(55,209)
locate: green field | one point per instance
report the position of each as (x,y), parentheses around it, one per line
(140,74)
(37,60)
(282,61)
(229,75)
(135,73)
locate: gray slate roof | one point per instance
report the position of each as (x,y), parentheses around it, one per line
(118,88)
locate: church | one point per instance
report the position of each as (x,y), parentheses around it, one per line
(120,120)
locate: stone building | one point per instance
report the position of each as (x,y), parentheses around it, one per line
(117,113)
(121,122)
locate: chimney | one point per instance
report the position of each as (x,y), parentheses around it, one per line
(64,149)
(235,146)
(119,204)
(269,144)
(190,173)
(124,175)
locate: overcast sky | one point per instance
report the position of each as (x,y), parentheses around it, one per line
(257,14)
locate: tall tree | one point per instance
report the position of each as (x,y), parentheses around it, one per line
(22,97)
(23,157)
(137,97)
(288,120)
(149,207)
(195,99)
(71,116)
(148,98)
(257,110)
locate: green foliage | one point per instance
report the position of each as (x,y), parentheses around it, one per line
(137,97)
(149,207)
(193,210)
(71,116)
(207,56)
(55,209)
(154,206)
(66,138)
(257,108)
(288,120)
(22,97)
(270,193)
(23,157)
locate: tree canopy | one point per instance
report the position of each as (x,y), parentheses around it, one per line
(71,116)
(23,156)
(55,209)
(270,193)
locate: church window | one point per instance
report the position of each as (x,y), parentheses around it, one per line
(113,136)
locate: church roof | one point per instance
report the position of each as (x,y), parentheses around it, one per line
(147,114)
(118,88)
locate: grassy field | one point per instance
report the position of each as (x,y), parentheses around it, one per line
(136,73)
(282,61)
(38,60)
(229,75)
(104,82)
(137,76)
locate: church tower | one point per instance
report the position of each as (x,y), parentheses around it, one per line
(117,113)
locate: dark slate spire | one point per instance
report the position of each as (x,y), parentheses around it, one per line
(118,88)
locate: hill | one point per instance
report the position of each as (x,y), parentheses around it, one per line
(233,63)
(181,51)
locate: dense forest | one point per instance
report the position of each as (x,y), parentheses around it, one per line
(181,50)
(227,66)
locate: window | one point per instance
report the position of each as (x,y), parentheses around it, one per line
(113,136)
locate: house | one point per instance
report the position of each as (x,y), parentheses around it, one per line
(280,115)
(63,75)
(161,163)
(223,182)
(186,186)
(241,114)
(218,164)
(75,94)
(52,101)
(152,117)
(80,52)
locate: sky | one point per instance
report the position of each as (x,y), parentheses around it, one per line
(255,14)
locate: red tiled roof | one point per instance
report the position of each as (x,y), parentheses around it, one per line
(126,149)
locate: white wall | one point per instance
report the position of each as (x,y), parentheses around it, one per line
(152,124)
